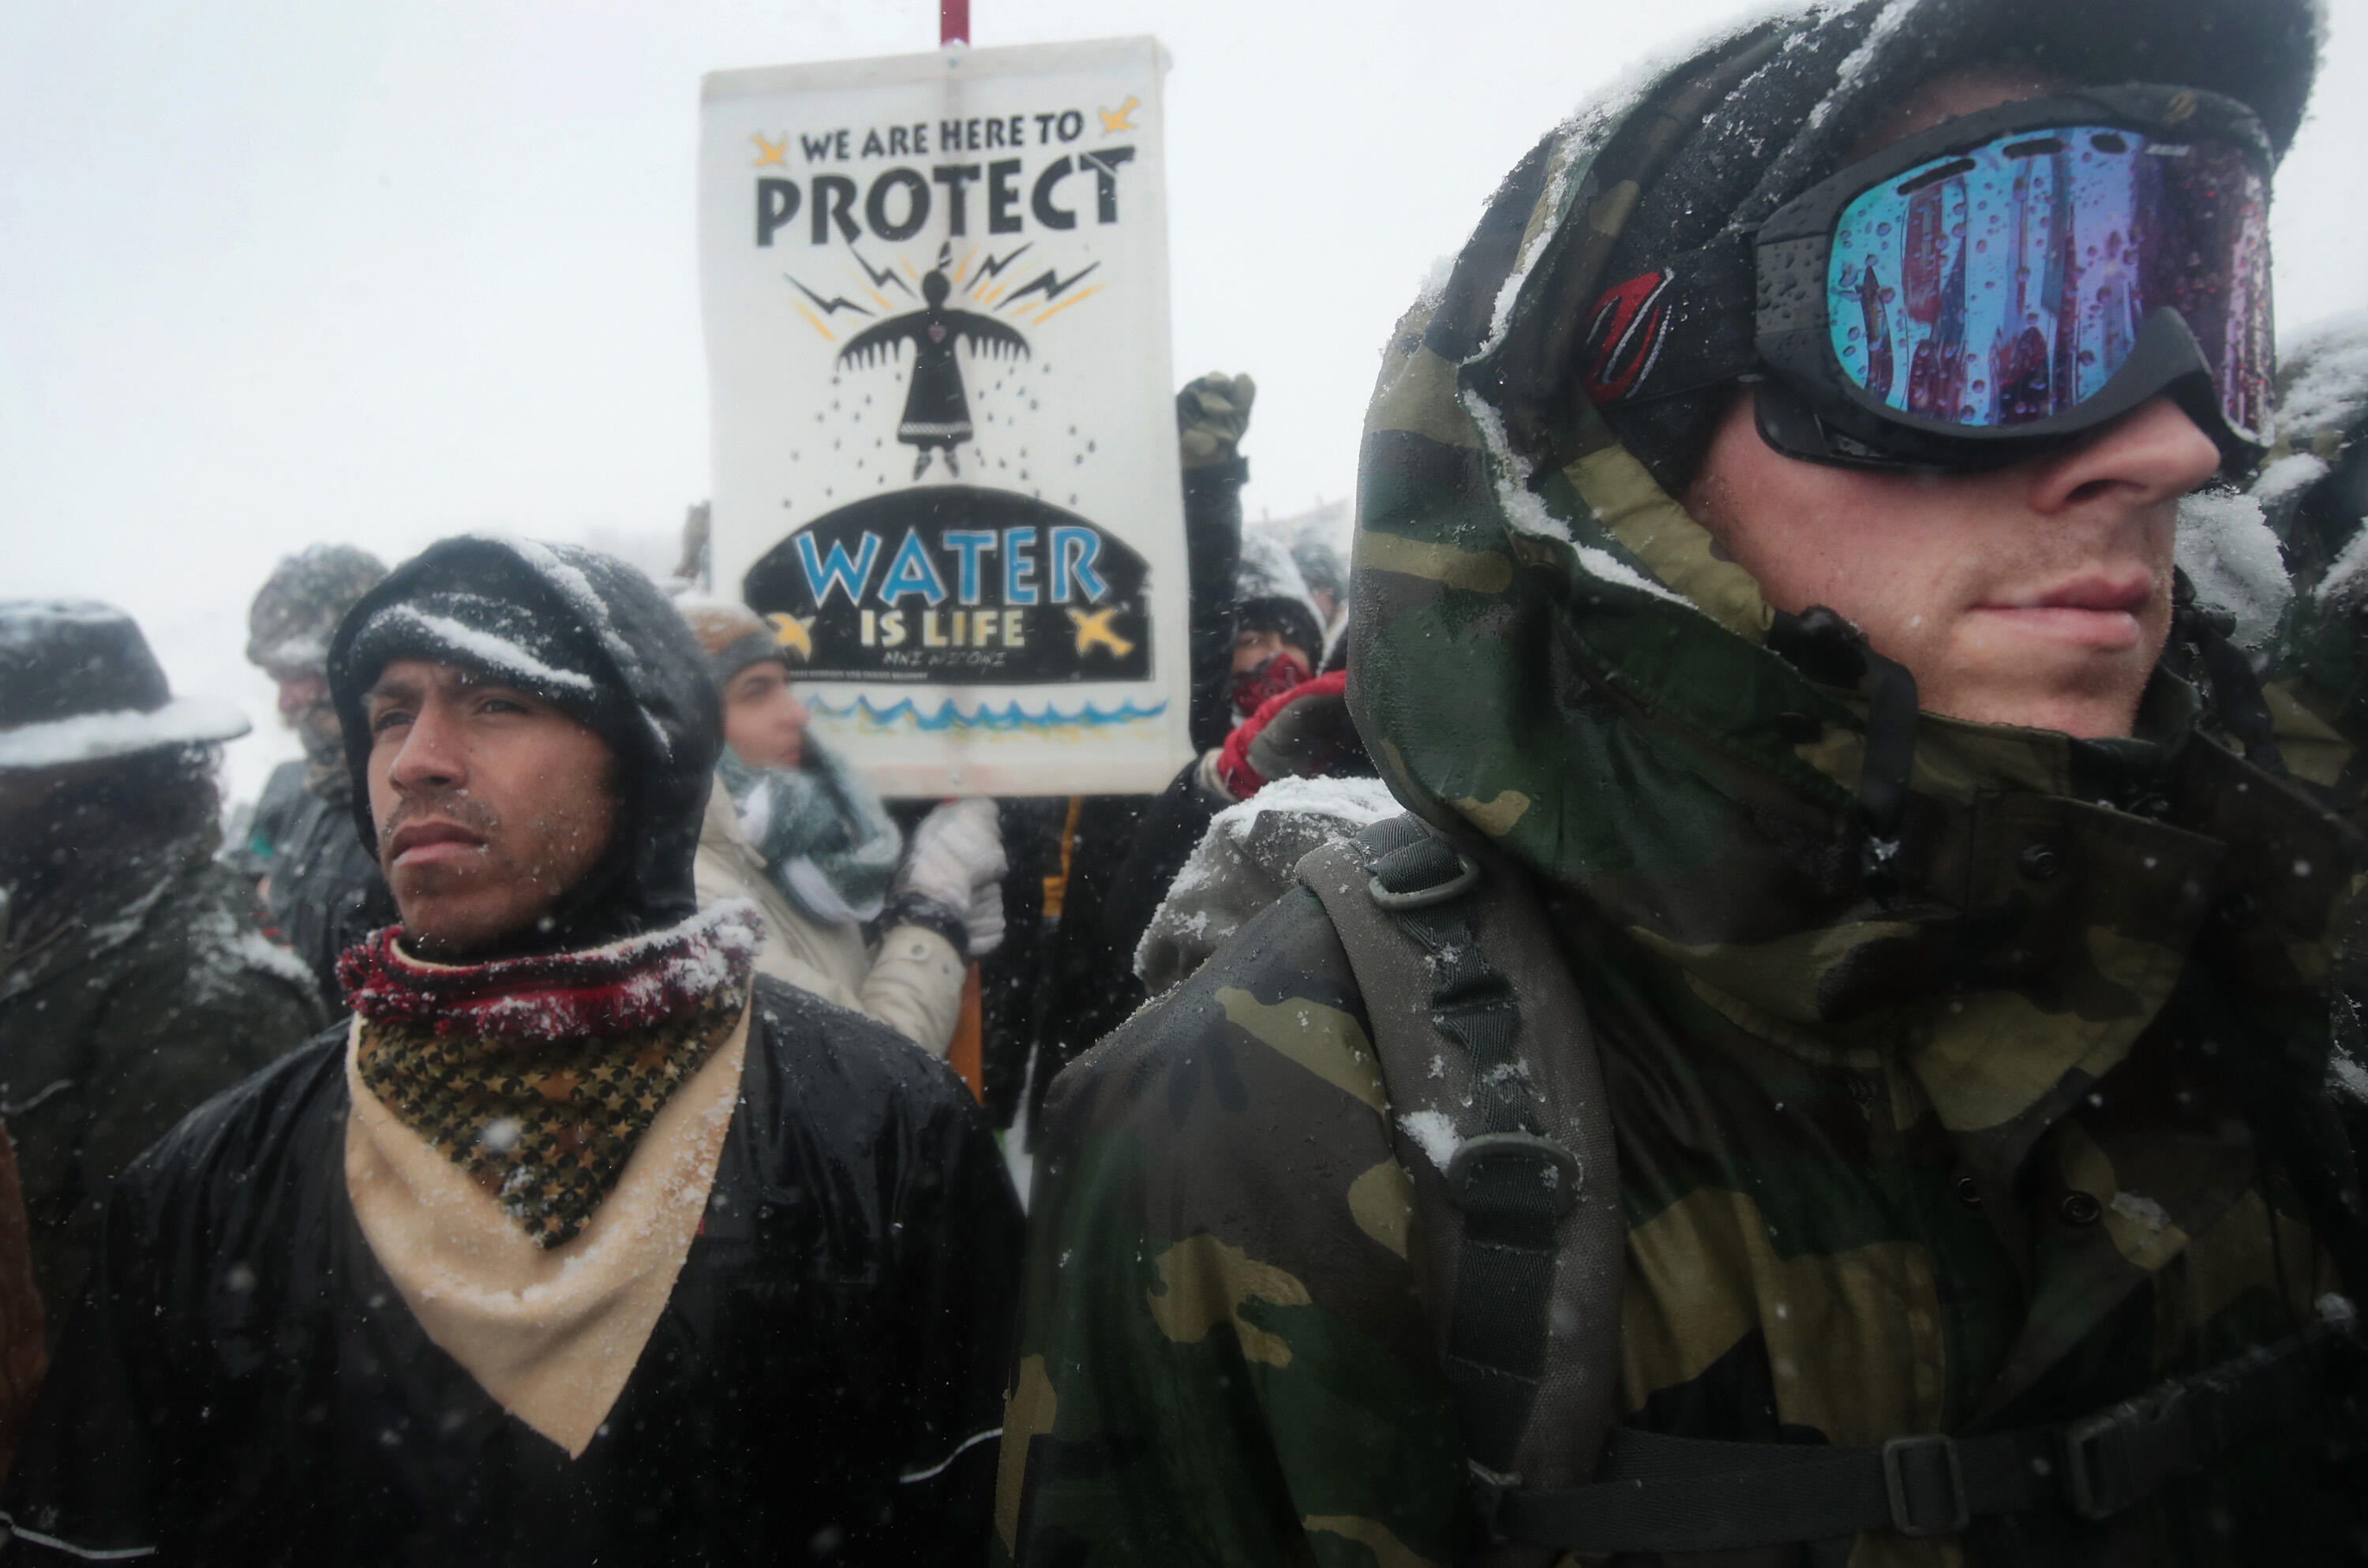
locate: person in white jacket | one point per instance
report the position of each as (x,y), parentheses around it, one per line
(791,827)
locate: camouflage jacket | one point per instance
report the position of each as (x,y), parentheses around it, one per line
(1986,1120)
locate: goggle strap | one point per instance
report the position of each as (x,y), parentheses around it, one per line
(1683,327)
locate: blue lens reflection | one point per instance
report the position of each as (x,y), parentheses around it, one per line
(2006,283)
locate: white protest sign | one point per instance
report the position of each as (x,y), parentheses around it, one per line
(935,299)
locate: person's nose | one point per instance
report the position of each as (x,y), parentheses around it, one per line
(430,758)
(2155,454)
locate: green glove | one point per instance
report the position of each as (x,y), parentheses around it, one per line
(1211,414)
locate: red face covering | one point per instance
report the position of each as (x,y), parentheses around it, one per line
(1253,686)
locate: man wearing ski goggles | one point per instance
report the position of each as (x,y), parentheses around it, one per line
(2057,300)
(1983,290)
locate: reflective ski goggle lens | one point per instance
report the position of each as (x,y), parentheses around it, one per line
(2006,283)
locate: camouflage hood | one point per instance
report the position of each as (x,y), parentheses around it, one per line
(1548,653)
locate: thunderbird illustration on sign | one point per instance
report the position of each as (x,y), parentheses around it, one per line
(937,407)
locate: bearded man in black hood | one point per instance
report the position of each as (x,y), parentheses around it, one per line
(577,1243)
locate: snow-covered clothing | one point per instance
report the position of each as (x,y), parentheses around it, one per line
(912,982)
(128,994)
(252,1379)
(826,839)
(1244,862)
(79,684)
(2313,496)
(1971,1097)
(824,1377)
(133,983)
(538,1075)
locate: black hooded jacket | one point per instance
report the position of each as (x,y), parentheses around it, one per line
(241,1383)
(652,701)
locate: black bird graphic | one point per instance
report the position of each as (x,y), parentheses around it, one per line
(937,408)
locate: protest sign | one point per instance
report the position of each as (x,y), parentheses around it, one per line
(936,299)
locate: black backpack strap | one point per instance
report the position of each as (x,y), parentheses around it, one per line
(1499,1117)
(1510,1181)
(1662,1494)
(1521,1239)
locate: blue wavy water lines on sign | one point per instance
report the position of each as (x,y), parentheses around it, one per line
(1006,718)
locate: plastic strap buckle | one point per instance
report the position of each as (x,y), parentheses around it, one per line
(2117,1456)
(1555,1168)
(1467,878)
(1905,1517)
(1487,1490)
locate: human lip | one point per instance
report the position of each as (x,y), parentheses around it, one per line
(435,843)
(2095,609)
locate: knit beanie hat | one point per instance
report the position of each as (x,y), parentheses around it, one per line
(299,605)
(731,635)
(450,616)
(1782,104)
(1270,595)
(596,639)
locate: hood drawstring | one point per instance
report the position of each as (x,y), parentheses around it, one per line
(1830,650)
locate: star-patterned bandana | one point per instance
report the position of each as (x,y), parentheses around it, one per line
(538,1075)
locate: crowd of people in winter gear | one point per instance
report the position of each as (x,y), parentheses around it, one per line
(1777,979)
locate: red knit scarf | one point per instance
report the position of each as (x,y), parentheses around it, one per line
(538,1075)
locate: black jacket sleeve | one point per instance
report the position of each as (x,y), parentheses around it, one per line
(1213,549)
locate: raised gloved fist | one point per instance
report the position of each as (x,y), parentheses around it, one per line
(1212,413)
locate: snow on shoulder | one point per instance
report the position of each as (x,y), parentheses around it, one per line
(1244,862)
(2329,385)
(1354,802)
(2228,551)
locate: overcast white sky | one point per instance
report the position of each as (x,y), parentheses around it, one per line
(278,272)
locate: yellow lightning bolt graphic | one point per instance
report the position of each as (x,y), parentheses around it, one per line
(775,152)
(794,632)
(1120,119)
(1096,628)
(1056,310)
